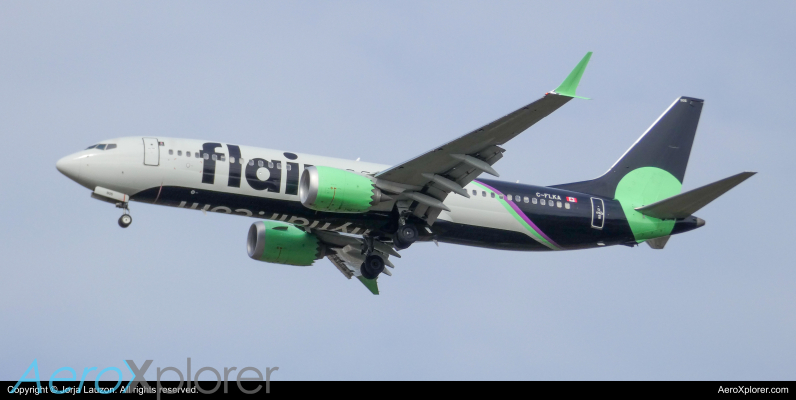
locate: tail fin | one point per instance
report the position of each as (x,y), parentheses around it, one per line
(666,145)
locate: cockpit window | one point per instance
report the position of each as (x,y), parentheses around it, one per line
(102,146)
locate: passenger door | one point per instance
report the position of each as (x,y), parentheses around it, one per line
(151,152)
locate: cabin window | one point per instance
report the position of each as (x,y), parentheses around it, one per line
(171,152)
(558,204)
(541,201)
(197,155)
(110,146)
(534,200)
(222,157)
(483,193)
(231,159)
(500,196)
(278,165)
(179,152)
(508,197)
(260,163)
(493,194)
(566,205)
(270,164)
(475,192)
(525,199)
(214,157)
(288,167)
(551,203)
(251,163)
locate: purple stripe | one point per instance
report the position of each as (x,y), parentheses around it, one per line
(522,215)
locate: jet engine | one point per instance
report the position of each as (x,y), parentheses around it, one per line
(337,190)
(282,243)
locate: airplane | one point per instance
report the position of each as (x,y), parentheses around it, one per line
(359,214)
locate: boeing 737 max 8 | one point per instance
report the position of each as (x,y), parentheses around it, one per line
(359,214)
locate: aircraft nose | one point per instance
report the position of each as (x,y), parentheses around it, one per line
(69,166)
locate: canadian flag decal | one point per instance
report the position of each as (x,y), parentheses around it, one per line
(572,199)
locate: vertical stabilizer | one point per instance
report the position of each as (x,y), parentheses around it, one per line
(666,146)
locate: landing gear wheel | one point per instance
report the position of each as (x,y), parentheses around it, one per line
(372,266)
(125,220)
(405,236)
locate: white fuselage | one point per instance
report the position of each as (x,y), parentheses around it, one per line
(123,169)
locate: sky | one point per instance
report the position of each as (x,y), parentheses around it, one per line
(384,82)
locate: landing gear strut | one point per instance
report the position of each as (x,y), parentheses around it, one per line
(372,266)
(126,219)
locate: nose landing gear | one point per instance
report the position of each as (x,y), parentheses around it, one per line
(126,219)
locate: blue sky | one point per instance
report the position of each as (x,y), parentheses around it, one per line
(386,81)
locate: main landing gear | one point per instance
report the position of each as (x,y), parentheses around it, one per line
(372,266)
(405,236)
(126,219)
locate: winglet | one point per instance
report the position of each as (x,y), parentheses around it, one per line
(568,87)
(370,284)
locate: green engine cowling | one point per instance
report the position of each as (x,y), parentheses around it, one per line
(282,243)
(336,190)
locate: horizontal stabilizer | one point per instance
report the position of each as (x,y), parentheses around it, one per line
(685,204)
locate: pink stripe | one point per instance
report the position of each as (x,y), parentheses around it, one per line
(522,215)
(158,196)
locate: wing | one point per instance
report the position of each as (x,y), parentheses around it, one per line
(426,180)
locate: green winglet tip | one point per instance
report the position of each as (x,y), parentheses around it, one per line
(370,284)
(568,87)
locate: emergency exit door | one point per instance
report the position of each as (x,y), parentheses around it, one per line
(597,213)
(151,152)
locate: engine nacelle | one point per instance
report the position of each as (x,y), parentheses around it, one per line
(337,190)
(282,243)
